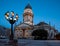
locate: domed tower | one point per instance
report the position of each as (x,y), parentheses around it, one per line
(28,15)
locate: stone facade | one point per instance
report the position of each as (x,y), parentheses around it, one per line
(25,29)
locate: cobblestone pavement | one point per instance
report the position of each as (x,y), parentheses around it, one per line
(25,42)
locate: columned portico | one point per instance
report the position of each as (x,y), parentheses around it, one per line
(23,30)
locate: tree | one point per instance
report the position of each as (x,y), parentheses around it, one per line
(40,34)
(57,36)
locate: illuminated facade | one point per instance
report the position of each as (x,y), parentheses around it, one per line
(25,29)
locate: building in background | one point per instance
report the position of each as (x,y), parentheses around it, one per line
(4,32)
(25,29)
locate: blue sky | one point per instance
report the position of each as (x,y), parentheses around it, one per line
(44,10)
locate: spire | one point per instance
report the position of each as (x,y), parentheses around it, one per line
(54,26)
(28,6)
(49,23)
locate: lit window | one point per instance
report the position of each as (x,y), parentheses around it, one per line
(20,31)
(26,35)
(29,17)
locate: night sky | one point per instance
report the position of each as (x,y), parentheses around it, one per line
(44,10)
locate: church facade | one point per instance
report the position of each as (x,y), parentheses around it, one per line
(25,29)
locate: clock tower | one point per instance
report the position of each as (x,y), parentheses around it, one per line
(28,15)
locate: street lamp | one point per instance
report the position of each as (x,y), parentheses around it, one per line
(11,20)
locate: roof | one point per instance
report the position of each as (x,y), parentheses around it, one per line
(42,23)
(28,6)
(25,25)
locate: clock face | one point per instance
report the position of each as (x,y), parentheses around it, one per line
(28,11)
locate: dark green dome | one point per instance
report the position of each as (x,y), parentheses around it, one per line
(28,6)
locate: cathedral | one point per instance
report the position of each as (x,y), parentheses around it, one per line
(28,30)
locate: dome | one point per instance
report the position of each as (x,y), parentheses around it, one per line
(28,6)
(42,23)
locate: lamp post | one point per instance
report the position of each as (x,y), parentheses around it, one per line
(12,19)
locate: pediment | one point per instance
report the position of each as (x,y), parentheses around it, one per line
(23,25)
